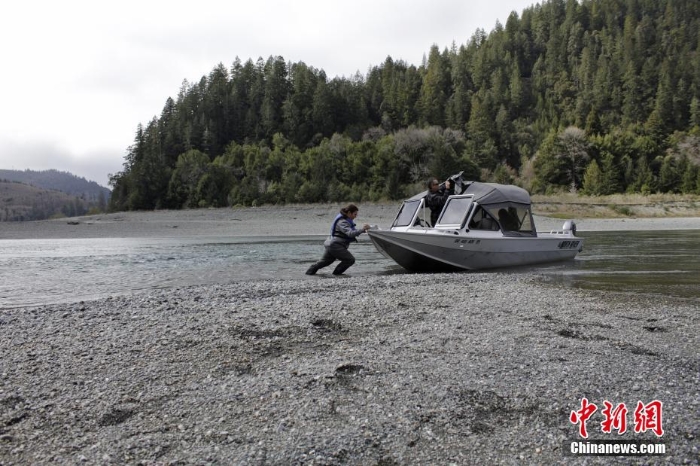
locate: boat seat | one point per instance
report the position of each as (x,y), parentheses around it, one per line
(489,224)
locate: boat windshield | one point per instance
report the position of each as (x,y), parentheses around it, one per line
(406,214)
(455,212)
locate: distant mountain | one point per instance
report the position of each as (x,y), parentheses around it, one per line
(59,181)
(22,202)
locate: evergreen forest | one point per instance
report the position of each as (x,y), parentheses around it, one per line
(37,195)
(62,181)
(593,96)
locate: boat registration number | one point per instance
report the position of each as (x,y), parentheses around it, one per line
(568,244)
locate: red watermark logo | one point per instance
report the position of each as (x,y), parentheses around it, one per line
(646,417)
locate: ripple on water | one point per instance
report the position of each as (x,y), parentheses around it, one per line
(68,270)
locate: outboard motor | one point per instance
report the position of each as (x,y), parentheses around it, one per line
(570,225)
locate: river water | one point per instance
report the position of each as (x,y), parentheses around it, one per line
(47,271)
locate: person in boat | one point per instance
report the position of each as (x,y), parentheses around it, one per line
(437,197)
(343,232)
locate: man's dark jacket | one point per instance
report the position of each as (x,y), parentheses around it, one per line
(436,201)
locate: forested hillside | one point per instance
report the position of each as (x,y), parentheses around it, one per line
(594,96)
(59,181)
(22,202)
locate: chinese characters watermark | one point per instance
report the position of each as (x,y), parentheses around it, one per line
(647,417)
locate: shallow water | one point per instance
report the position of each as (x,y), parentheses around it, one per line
(45,271)
(657,262)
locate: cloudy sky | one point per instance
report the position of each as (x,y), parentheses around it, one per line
(79,76)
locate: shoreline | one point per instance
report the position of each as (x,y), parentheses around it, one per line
(456,369)
(290,220)
(387,369)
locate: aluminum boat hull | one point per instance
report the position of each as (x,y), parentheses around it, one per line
(437,251)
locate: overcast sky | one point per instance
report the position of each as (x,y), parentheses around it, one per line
(77,77)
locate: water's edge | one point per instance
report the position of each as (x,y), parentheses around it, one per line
(48,271)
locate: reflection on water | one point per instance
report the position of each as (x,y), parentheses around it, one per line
(657,262)
(69,270)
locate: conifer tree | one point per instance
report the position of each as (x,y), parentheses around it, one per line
(611,175)
(626,71)
(593,180)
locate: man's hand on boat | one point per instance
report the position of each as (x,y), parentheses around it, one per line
(447,184)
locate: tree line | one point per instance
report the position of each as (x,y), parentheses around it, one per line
(24,202)
(60,181)
(594,96)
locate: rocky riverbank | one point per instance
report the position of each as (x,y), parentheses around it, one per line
(481,368)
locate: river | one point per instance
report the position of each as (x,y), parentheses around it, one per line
(47,271)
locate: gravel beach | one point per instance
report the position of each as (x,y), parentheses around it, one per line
(413,369)
(478,368)
(252,221)
(311,219)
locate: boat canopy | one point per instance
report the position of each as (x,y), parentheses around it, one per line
(492,193)
(488,193)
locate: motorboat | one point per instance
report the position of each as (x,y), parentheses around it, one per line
(481,226)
